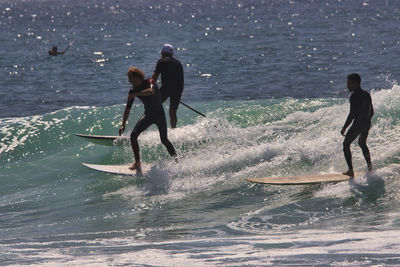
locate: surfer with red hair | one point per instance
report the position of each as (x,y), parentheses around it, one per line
(147,91)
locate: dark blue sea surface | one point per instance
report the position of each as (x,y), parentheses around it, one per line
(231,50)
(270,76)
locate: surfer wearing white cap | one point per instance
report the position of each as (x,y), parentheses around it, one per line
(172,80)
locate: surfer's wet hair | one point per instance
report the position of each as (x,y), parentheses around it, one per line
(135,72)
(355,77)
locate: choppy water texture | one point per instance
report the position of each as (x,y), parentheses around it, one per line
(269,75)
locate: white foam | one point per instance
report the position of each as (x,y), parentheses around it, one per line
(15,132)
(307,247)
(303,142)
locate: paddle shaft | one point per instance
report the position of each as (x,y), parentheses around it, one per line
(189,107)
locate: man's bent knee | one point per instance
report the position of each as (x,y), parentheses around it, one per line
(346,145)
(362,143)
(134,138)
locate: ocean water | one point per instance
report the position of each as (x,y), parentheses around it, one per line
(270,77)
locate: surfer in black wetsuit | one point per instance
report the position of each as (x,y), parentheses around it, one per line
(172,80)
(148,93)
(54,51)
(361,112)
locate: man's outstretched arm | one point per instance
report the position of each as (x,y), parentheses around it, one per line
(125,118)
(126,113)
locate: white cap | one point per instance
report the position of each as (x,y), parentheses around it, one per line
(167,48)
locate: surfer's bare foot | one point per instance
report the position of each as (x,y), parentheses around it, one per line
(349,173)
(176,159)
(369,168)
(135,166)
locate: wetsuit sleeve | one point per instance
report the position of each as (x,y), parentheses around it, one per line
(372,108)
(351,115)
(158,68)
(366,110)
(129,103)
(182,76)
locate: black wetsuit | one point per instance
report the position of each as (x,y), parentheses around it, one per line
(361,112)
(172,80)
(153,113)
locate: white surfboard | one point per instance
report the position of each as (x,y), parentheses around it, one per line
(105,140)
(306,179)
(119,169)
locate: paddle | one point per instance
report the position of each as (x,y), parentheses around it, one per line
(70,44)
(189,107)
